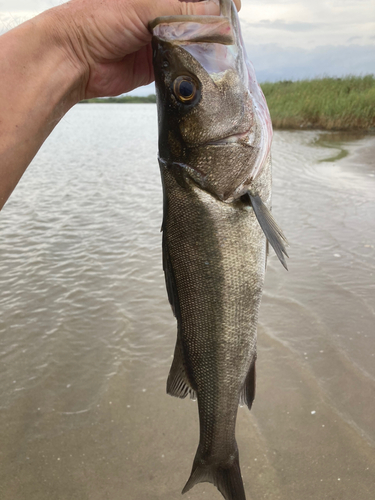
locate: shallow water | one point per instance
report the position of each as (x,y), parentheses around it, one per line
(87,335)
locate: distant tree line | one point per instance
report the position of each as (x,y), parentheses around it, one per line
(121,99)
(346,103)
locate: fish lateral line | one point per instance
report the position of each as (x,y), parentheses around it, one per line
(269,226)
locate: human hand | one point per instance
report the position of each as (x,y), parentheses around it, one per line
(111,39)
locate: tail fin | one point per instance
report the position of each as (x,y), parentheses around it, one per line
(227,478)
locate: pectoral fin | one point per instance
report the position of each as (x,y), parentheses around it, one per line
(269,226)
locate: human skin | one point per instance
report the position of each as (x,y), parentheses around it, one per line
(78,50)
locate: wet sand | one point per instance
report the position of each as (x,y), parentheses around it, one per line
(107,430)
(293,444)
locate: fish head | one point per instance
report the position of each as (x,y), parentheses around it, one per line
(197,107)
(213,118)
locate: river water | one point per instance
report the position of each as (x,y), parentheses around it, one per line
(87,335)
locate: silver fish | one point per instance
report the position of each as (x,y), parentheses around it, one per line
(215,135)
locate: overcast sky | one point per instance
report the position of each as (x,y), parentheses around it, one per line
(285,39)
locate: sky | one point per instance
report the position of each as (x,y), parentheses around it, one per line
(285,39)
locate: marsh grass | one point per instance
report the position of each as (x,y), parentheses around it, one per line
(328,103)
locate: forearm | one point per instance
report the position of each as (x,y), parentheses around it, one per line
(83,48)
(40,81)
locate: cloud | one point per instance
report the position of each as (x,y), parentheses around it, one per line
(273,62)
(289,39)
(281,24)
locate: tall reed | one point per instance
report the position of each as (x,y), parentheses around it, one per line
(328,103)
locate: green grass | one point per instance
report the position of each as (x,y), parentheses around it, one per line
(328,103)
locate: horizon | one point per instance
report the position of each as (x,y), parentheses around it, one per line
(153,93)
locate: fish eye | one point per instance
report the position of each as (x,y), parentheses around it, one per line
(185,89)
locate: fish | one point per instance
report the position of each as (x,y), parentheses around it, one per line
(215,135)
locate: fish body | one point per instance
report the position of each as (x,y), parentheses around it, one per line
(214,154)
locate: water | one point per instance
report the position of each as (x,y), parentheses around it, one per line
(86,331)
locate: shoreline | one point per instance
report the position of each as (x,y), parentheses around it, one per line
(297,126)
(332,104)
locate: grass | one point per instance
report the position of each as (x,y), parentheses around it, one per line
(328,103)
